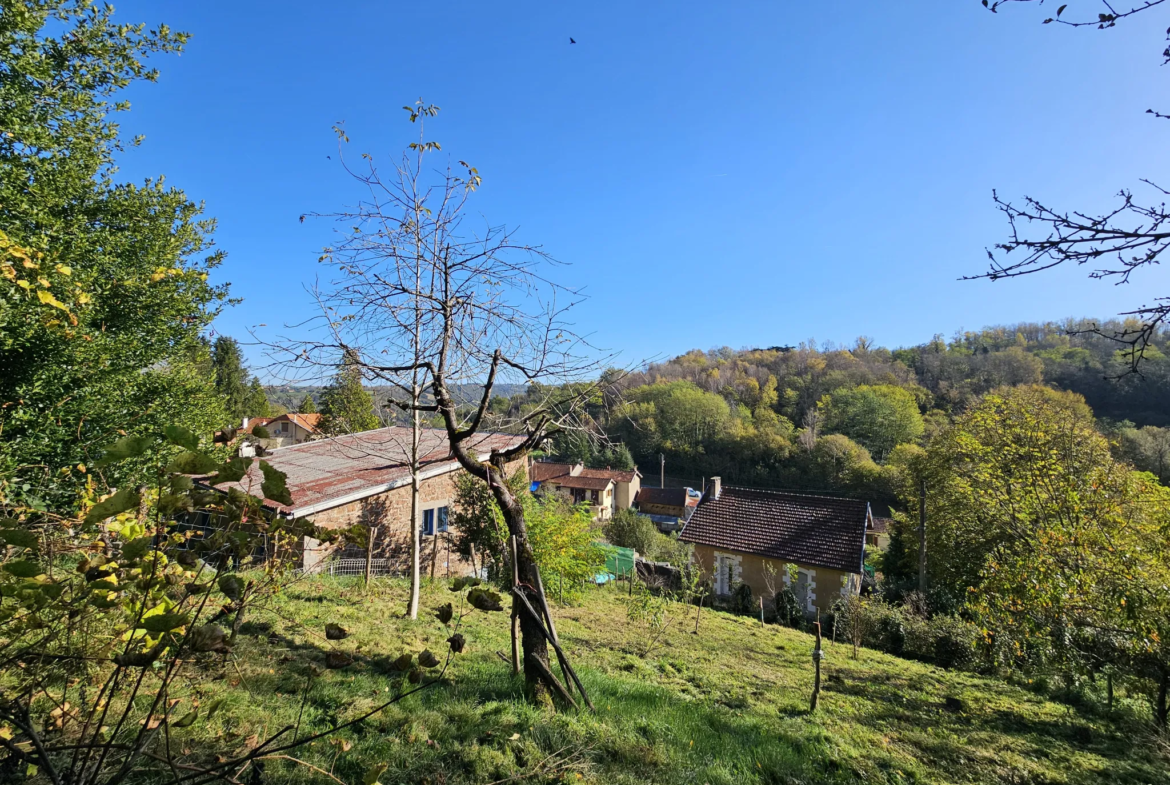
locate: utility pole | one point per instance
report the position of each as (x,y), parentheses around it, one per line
(661,470)
(922,535)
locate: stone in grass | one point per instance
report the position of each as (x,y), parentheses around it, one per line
(335,632)
(953,704)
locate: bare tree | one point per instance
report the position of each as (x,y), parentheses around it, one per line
(1116,243)
(443,313)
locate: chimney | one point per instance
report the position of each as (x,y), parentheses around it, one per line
(715,487)
(244,427)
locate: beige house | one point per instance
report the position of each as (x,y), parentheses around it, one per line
(364,479)
(814,544)
(292,428)
(604,490)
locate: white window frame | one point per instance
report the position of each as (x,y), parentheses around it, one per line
(433,508)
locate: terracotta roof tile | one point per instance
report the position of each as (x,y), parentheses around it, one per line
(581,481)
(617,475)
(818,531)
(345,467)
(547,470)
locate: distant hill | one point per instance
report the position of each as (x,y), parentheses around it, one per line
(290,396)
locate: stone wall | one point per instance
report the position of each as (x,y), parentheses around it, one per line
(390,512)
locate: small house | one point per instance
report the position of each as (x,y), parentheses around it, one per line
(813,545)
(604,490)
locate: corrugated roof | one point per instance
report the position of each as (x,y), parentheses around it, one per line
(666,497)
(344,468)
(818,531)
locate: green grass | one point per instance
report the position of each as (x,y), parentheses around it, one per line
(728,705)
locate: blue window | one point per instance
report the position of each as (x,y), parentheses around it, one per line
(431,517)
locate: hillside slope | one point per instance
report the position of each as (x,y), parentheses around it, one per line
(728,705)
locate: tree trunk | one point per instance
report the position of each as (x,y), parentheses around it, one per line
(415,515)
(532,640)
(1162,709)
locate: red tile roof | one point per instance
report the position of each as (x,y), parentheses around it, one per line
(818,531)
(309,422)
(331,472)
(586,483)
(547,470)
(617,475)
(542,471)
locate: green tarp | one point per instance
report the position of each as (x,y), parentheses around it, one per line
(619,562)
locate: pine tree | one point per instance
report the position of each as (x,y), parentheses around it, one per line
(256,403)
(231,380)
(346,406)
(308,406)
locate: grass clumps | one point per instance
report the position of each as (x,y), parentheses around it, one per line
(728,705)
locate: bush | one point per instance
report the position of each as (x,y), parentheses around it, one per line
(948,641)
(788,609)
(741,599)
(628,529)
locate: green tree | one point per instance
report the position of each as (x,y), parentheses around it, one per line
(231,378)
(628,529)
(1147,449)
(1061,549)
(878,417)
(101,316)
(308,405)
(257,402)
(561,534)
(346,406)
(674,416)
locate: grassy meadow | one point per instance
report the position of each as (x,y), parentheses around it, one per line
(728,705)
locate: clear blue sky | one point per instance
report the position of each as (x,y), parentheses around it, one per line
(741,174)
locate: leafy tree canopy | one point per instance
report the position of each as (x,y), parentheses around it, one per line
(878,417)
(103,285)
(346,406)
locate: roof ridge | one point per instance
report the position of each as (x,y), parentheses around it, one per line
(777,492)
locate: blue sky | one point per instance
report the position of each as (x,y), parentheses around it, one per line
(742,174)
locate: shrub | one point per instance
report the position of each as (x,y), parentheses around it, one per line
(741,599)
(788,609)
(945,640)
(628,529)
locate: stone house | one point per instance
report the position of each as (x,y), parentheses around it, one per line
(814,544)
(605,490)
(364,479)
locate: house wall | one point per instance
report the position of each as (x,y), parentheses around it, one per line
(390,512)
(627,491)
(825,586)
(602,510)
(292,433)
(662,509)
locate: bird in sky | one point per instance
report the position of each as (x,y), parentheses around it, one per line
(572,41)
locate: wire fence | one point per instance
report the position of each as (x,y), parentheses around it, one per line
(337,566)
